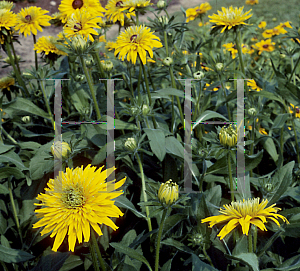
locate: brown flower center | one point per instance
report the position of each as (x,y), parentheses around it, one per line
(133,38)
(77,26)
(28,17)
(265,46)
(118,4)
(297,110)
(77,4)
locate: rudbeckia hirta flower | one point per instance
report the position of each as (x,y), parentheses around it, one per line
(262,24)
(134,41)
(295,110)
(251,2)
(136,4)
(244,213)
(7,19)
(6,82)
(231,47)
(75,201)
(264,45)
(115,11)
(230,18)
(30,19)
(68,7)
(251,83)
(81,23)
(46,45)
(193,13)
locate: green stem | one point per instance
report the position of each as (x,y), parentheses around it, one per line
(207,256)
(98,61)
(252,144)
(18,75)
(144,191)
(296,137)
(8,136)
(91,87)
(137,19)
(292,66)
(293,72)
(227,105)
(35,53)
(161,226)
(281,140)
(95,243)
(139,85)
(93,254)
(250,246)
(15,56)
(230,176)
(47,103)
(173,114)
(239,48)
(166,43)
(255,239)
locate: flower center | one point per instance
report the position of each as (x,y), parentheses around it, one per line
(133,38)
(265,46)
(73,198)
(118,4)
(297,110)
(77,26)
(77,4)
(28,17)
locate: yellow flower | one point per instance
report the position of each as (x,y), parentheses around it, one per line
(286,24)
(136,4)
(81,23)
(251,2)
(230,17)
(168,192)
(110,45)
(46,45)
(115,11)
(228,136)
(102,39)
(3,114)
(30,19)
(7,19)
(6,5)
(193,13)
(245,213)
(268,33)
(68,7)
(262,24)
(6,82)
(264,45)
(261,130)
(296,110)
(251,83)
(231,47)
(60,149)
(75,201)
(136,41)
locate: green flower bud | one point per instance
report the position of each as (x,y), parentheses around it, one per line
(219,66)
(79,77)
(168,61)
(89,63)
(161,4)
(274,19)
(26,119)
(197,239)
(130,144)
(198,75)
(164,20)
(283,55)
(228,136)
(268,187)
(145,109)
(107,65)
(60,150)
(134,111)
(168,192)
(252,112)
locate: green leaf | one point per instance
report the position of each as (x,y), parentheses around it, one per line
(208,115)
(252,161)
(290,264)
(5,148)
(131,253)
(219,166)
(173,146)
(283,177)
(12,157)
(171,222)
(166,93)
(100,156)
(123,202)
(266,94)
(3,189)
(51,262)
(157,142)
(249,259)
(280,121)
(11,171)
(40,164)
(167,265)
(198,265)
(269,146)
(21,106)
(177,244)
(70,263)
(31,145)
(79,98)
(9,255)
(122,125)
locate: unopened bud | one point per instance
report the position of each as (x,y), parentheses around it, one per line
(164,20)
(145,109)
(268,187)
(79,77)
(252,112)
(60,150)
(168,192)
(89,63)
(161,4)
(168,61)
(107,65)
(219,66)
(199,75)
(228,136)
(130,144)
(282,55)
(26,119)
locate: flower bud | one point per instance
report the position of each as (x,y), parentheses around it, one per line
(228,136)
(26,119)
(60,150)
(168,192)
(168,61)
(161,4)
(268,187)
(198,75)
(219,66)
(274,19)
(282,55)
(145,109)
(299,28)
(130,144)
(164,20)
(107,65)
(89,63)
(134,111)
(197,239)
(252,112)
(79,77)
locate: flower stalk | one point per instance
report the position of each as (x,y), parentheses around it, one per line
(230,176)
(161,226)
(47,103)
(35,53)
(95,244)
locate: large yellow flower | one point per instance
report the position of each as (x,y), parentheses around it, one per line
(75,201)
(230,17)
(136,4)
(81,23)
(136,41)
(31,19)
(245,213)
(115,11)
(264,45)
(46,45)
(251,83)
(7,19)
(6,82)
(68,7)
(193,13)
(6,5)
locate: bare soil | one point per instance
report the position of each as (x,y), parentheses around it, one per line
(25,48)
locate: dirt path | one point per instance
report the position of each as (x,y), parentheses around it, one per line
(25,48)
